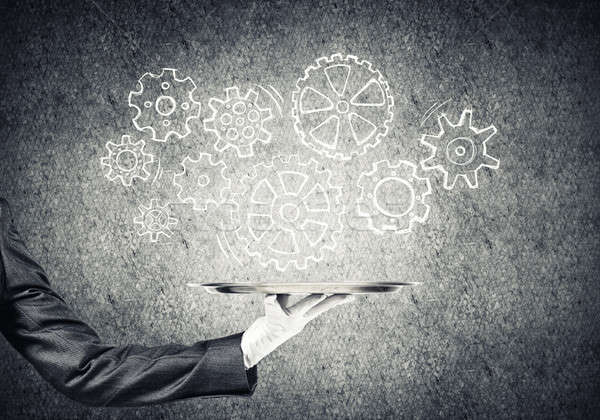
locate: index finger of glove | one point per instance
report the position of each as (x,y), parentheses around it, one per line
(305,304)
(327,304)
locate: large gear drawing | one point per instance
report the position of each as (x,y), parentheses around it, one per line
(289,213)
(155,220)
(342,106)
(202,181)
(392,197)
(164,105)
(238,122)
(127,161)
(459,150)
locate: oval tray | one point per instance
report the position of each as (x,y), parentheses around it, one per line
(353,288)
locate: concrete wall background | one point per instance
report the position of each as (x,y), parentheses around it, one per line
(506,321)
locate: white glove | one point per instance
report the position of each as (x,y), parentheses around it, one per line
(280,323)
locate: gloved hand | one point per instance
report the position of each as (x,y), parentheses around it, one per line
(280,323)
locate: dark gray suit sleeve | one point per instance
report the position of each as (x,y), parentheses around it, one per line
(71,356)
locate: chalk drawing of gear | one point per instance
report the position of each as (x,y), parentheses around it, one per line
(127,161)
(202,181)
(459,150)
(342,106)
(238,122)
(289,213)
(155,220)
(392,197)
(164,104)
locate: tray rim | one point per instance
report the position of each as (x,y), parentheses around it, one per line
(369,287)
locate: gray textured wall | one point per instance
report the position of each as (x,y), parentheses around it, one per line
(506,321)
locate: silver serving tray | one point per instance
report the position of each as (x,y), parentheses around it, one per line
(349,288)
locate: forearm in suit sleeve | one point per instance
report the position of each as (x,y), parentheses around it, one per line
(70,355)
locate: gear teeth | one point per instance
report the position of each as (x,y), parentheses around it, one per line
(353,58)
(485,133)
(430,141)
(232,93)
(450,180)
(264,136)
(214,104)
(471,179)
(422,187)
(466,118)
(490,162)
(421,212)
(403,171)
(220,146)
(323,61)
(445,123)
(252,96)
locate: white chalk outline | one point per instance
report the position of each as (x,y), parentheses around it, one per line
(192,109)
(330,149)
(439,153)
(164,228)
(226,107)
(432,109)
(380,220)
(142,160)
(275,96)
(273,176)
(191,189)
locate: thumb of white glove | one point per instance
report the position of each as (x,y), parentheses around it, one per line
(280,323)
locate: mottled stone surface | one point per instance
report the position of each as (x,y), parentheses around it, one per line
(506,322)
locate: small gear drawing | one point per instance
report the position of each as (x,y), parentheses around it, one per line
(202,181)
(164,105)
(238,122)
(392,197)
(127,160)
(289,213)
(459,150)
(342,106)
(155,220)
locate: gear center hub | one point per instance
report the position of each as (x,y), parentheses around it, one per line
(460,151)
(289,212)
(165,105)
(394,197)
(126,160)
(155,220)
(342,107)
